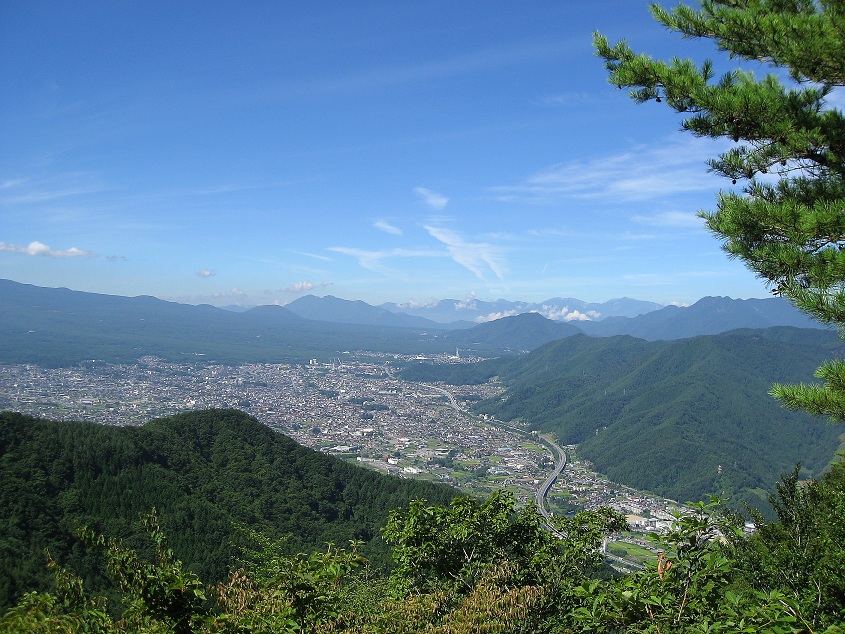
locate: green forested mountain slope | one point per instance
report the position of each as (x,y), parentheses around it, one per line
(209,474)
(662,416)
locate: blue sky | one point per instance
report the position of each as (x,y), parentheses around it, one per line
(252,152)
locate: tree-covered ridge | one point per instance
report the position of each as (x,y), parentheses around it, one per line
(214,477)
(663,416)
(486,566)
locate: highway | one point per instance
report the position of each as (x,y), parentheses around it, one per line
(560,458)
(557,451)
(451,398)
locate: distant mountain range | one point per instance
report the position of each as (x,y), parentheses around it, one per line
(557,309)
(58,326)
(645,320)
(708,316)
(334,309)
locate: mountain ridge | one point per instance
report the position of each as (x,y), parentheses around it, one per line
(707,316)
(556,308)
(663,415)
(209,474)
(64,327)
(336,310)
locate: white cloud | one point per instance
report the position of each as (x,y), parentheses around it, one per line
(481,319)
(39,248)
(564,314)
(299,287)
(433,199)
(206,273)
(385,226)
(474,256)
(468,303)
(675,166)
(549,312)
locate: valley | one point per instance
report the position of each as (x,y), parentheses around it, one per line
(177,408)
(357,409)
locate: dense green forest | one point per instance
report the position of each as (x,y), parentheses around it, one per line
(214,478)
(483,566)
(664,416)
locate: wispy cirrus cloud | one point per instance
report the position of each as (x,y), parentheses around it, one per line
(374,260)
(36,248)
(433,199)
(383,76)
(385,226)
(29,191)
(315,256)
(474,256)
(674,166)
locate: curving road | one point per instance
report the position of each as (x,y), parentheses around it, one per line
(560,457)
(556,450)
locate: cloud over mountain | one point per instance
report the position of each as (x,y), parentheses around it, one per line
(39,248)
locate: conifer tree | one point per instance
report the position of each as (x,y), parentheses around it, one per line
(785,219)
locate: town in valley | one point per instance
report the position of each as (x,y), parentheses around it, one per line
(355,407)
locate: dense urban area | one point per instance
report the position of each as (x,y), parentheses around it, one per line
(355,408)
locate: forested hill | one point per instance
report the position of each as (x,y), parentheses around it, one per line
(209,474)
(663,415)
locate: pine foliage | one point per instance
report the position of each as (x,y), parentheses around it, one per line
(787,221)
